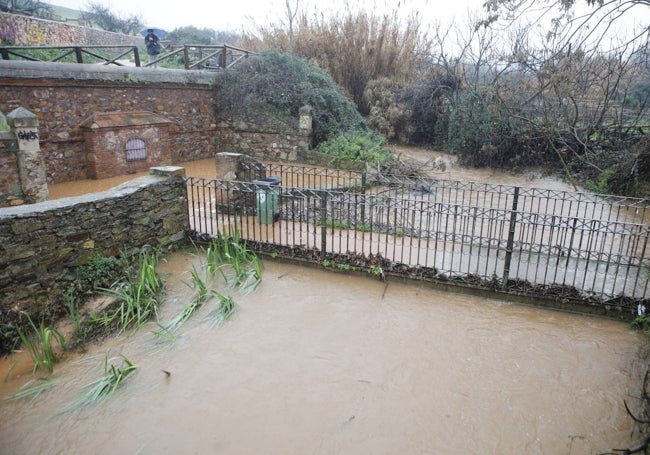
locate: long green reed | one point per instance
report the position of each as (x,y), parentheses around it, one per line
(202,295)
(114,377)
(137,294)
(28,390)
(40,344)
(226,308)
(227,258)
(72,308)
(230,258)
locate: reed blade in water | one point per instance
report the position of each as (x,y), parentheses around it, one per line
(226,308)
(40,344)
(138,294)
(114,377)
(28,390)
(201,296)
(230,258)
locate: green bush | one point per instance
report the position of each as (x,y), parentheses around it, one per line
(387,116)
(483,135)
(357,146)
(100,272)
(428,99)
(280,84)
(471,123)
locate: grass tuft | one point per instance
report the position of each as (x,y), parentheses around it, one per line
(40,344)
(28,390)
(114,377)
(226,308)
(137,294)
(230,258)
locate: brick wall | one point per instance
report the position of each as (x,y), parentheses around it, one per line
(10,186)
(62,104)
(30,31)
(63,96)
(107,136)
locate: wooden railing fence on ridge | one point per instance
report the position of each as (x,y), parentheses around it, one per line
(187,56)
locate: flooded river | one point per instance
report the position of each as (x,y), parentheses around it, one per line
(317,362)
(320,362)
(206,169)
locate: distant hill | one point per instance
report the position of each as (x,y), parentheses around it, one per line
(64,14)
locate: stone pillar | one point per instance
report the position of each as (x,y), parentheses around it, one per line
(31,167)
(305,120)
(227,165)
(305,125)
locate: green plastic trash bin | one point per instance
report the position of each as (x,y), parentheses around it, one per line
(268,195)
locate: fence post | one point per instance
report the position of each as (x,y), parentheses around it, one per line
(224,55)
(323,217)
(77,53)
(30,161)
(136,56)
(363,191)
(511,238)
(186,56)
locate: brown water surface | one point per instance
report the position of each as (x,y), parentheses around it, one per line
(322,363)
(206,169)
(199,168)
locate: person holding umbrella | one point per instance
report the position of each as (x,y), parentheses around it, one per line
(152,42)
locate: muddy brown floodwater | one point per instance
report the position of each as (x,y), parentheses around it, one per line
(325,363)
(206,169)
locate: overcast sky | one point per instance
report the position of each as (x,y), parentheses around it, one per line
(233,15)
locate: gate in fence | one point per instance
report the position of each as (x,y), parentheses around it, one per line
(555,244)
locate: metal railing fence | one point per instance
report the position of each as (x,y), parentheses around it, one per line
(542,243)
(306,176)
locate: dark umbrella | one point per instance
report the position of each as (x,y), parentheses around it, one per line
(159,32)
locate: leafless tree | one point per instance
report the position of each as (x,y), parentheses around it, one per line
(27,8)
(291,10)
(102,16)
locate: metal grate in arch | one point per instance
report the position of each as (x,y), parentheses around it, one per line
(136,149)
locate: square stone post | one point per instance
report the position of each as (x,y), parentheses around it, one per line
(31,167)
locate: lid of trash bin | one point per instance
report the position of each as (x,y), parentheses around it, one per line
(272,180)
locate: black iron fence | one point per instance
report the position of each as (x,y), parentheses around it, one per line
(555,244)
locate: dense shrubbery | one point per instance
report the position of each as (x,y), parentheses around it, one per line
(194,35)
(481,135)
(495,102)
(359,147)
(281,83)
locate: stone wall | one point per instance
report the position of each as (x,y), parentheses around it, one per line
(63,96)
(40,243)
(10,186)
(30,31)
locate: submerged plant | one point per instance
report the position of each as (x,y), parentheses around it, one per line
(230,258)
(137,294)
(114,377)
(28,390)
(40,344)
(226,308)
(202,295)
(72,308)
